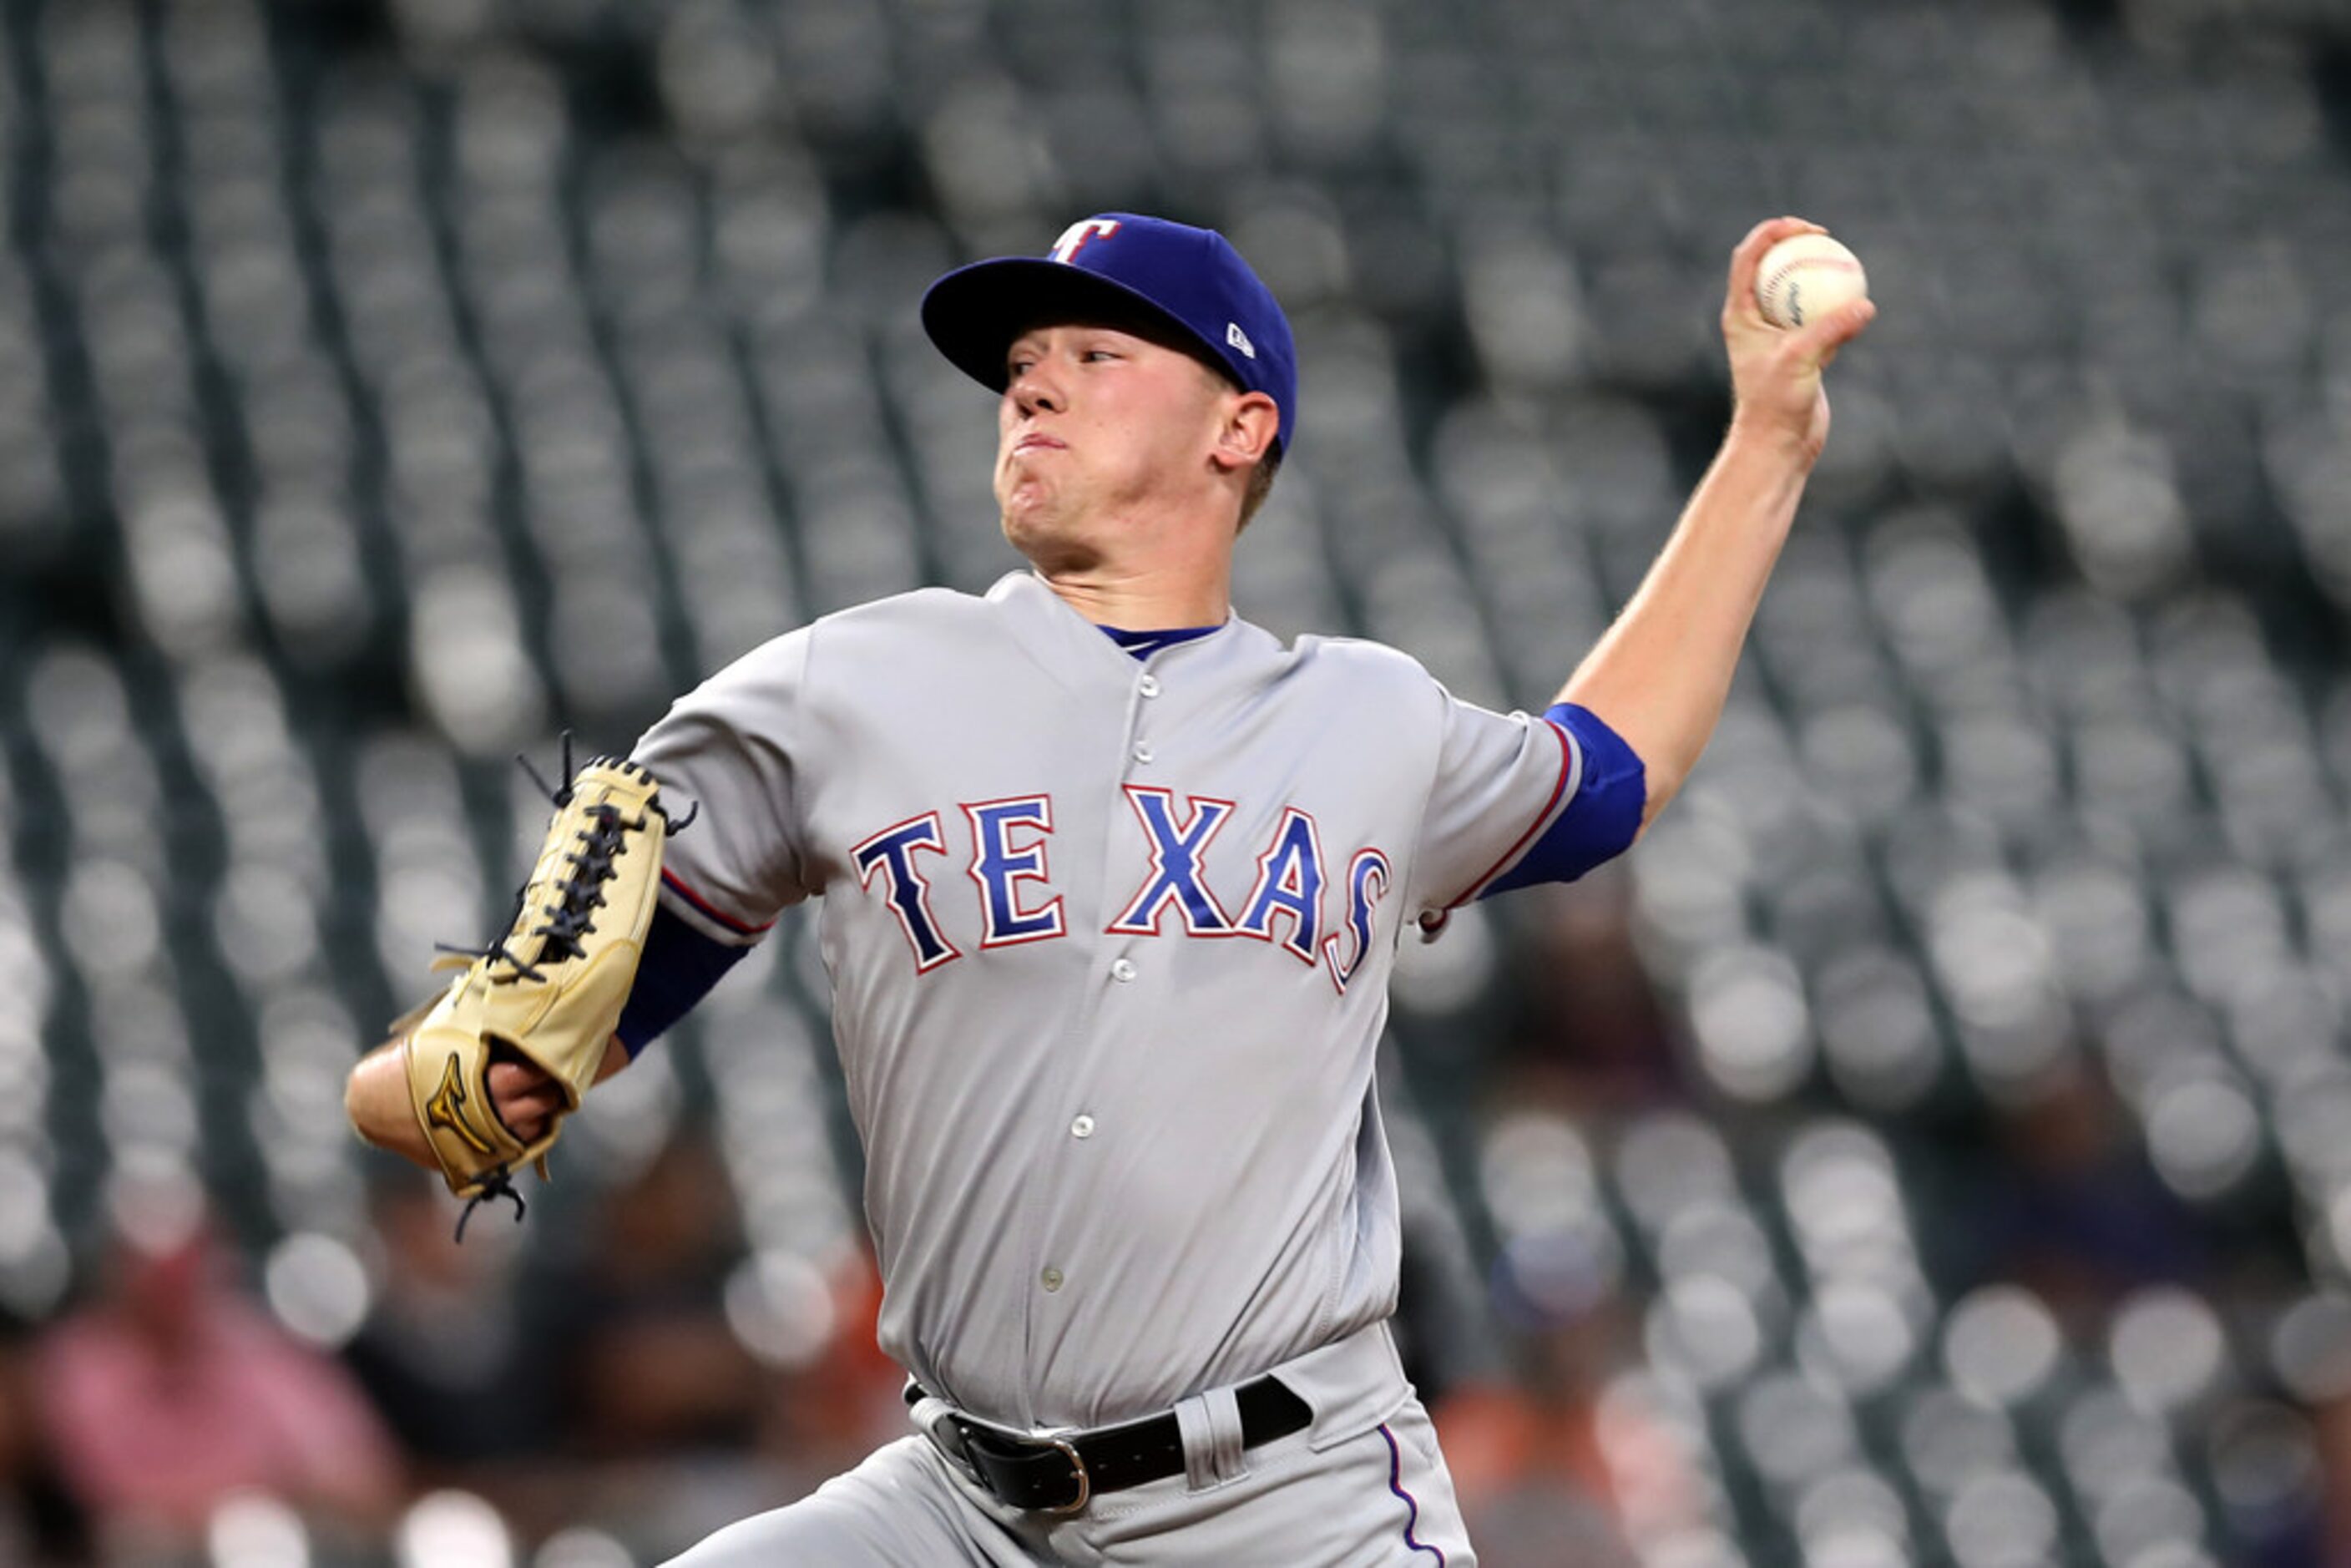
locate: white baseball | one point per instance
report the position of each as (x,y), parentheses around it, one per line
(1805,276)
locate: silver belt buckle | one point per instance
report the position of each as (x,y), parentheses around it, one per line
(1085,1482)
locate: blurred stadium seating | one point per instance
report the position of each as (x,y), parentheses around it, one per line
(385,387)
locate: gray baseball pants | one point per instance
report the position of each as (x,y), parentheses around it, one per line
(1362,1487)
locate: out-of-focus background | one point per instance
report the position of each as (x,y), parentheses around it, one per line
(1932,1146)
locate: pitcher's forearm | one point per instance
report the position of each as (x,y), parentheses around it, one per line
(375,1097)
(1660,676)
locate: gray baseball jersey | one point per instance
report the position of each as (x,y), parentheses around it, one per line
(1109,943)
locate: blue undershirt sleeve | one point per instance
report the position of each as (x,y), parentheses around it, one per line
(1601,819)
(676,970)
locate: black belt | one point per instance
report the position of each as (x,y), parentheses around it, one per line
(1059,1474)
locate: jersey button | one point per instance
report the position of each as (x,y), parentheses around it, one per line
(1122,970)
(1148,686)
(1051,1279)
(1143,751)
(1084,1127)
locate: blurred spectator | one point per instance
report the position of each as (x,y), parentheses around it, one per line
(37,1524)
(661,1389)
(848,1398)
(169,1390)
(447,1355)
(2310,1348)
(2334,1419)
(1535,1487)
(649,1364)
(16,1450)
(1593,1018)
(2074,1211)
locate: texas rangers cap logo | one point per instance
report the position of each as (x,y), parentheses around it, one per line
(1074,238)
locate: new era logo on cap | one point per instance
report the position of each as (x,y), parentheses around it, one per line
(1116,266)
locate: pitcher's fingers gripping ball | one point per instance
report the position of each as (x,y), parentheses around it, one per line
(1775,370)
(550,992)
(1805,276)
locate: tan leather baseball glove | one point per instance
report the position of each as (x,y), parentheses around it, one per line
(551,990)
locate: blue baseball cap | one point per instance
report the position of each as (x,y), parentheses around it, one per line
(1122,266)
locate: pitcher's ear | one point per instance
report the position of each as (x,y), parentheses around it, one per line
(1251,427)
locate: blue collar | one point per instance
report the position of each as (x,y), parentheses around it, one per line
(1143,644)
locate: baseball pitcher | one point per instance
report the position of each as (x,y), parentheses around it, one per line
(1112,882)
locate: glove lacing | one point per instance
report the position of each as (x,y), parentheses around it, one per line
(578,894)
(500,1183)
